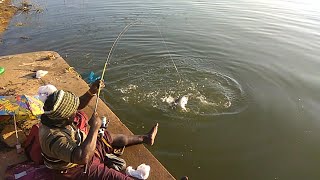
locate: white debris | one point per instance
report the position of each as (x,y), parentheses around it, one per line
(41,73)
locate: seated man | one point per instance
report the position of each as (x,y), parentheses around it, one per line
(66,149)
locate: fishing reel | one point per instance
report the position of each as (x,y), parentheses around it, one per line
(104,126)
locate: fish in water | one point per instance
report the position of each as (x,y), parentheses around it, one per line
(181,102)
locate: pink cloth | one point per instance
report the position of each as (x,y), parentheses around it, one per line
(81,121)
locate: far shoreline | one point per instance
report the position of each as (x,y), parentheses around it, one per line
(6,13)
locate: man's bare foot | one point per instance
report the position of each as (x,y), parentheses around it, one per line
(152,135)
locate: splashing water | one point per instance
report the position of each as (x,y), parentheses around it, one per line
(177,102)
(213,94)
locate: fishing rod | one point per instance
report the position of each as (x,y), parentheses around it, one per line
(125,29)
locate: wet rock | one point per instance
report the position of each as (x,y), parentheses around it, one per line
(19,24)
(8,136)
(25,37)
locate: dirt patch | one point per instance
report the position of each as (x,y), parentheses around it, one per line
(6,13)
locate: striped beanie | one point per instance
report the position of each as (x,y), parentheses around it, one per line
(65,104)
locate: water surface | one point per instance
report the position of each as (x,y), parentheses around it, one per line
(249,67)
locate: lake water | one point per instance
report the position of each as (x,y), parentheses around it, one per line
(249,67)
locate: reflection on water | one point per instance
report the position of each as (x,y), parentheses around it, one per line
(249,67)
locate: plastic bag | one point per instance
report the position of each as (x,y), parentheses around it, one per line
(92,77)
(142,171)
(41,73)
(45,91)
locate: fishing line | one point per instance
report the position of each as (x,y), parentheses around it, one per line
(165,44)
(181,100)
(125,29)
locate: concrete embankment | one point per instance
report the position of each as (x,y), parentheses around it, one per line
(19,79)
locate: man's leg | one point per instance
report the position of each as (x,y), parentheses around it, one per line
(121,140)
